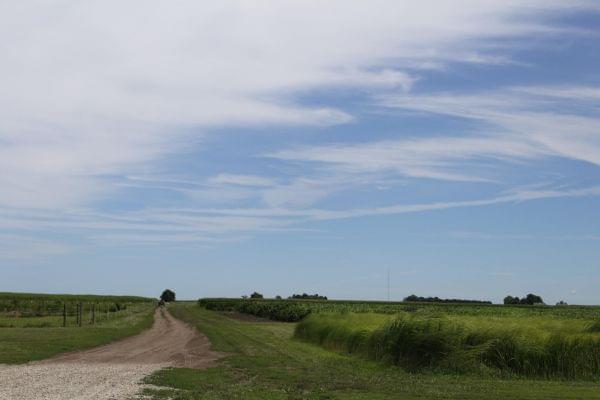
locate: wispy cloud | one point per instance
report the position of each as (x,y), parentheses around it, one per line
(242,180)
(213,226)
(559,121)
(100,98)
(101,89)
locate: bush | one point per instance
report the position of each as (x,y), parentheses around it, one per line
(418,299)
(272,309)
(531,299)
(305,296)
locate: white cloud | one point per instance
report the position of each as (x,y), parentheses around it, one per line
(546,120)
(207,227)
(22,247)
(105,88)
(435,158)
(96,95)
(241,180)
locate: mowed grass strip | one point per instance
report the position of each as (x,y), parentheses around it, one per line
(265,362)
(20,345)
(536,347)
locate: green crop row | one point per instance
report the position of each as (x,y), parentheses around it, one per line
(260,307)
(43,305)
(284,310)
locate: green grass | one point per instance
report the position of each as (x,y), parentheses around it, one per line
(265,362)
(102,316)
(538,346)
(295,310)
(13,296)
(20,344)
(47,305)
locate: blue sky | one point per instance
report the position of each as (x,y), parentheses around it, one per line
(286,147)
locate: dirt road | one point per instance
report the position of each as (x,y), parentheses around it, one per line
(112,371)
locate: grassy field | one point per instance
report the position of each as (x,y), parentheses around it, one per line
(34,338)
(48,305)
(543,347)
(264,361)
(296,310)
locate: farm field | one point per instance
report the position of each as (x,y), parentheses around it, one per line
(542,342)
(31,325)
(295,310)
(266,361)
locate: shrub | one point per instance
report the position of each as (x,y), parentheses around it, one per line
(273,309)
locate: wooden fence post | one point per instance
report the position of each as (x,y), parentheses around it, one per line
(80,313)
(93,313)
(64,315)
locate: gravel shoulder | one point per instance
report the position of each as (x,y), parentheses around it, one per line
(112,371)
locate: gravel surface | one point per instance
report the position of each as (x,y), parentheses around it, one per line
(111,372)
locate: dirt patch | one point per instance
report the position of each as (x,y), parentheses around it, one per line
(113,371)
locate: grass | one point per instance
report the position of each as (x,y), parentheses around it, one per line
(12,296)
(48,305)
(23,344)
(295,310)
(539,346)
(102,316)
(265,362)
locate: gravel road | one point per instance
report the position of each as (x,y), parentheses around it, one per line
(110,372)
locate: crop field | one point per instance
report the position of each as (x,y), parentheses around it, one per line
(32,326)
(296,310)
(25,310)
(275,360)
(561,342)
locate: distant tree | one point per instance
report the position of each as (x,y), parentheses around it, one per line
(532,299)
(278,297)
(413,298)
(562,303)
(256,295)
(305,296)
(511,300)
(244,297)
(167,296)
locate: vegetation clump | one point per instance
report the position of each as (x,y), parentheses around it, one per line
(167,296)
(418,299)
(529,300)
(277,310)
(441,343)
(305,296)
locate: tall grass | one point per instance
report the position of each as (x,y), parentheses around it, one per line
(446,344)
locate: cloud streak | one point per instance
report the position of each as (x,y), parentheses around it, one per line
(105,88)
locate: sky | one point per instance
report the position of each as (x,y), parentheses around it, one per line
(218,148)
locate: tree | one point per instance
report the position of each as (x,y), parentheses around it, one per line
(532,299)
(167,296)
(512,300)
(278,297)
(256,295)
(306,296)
